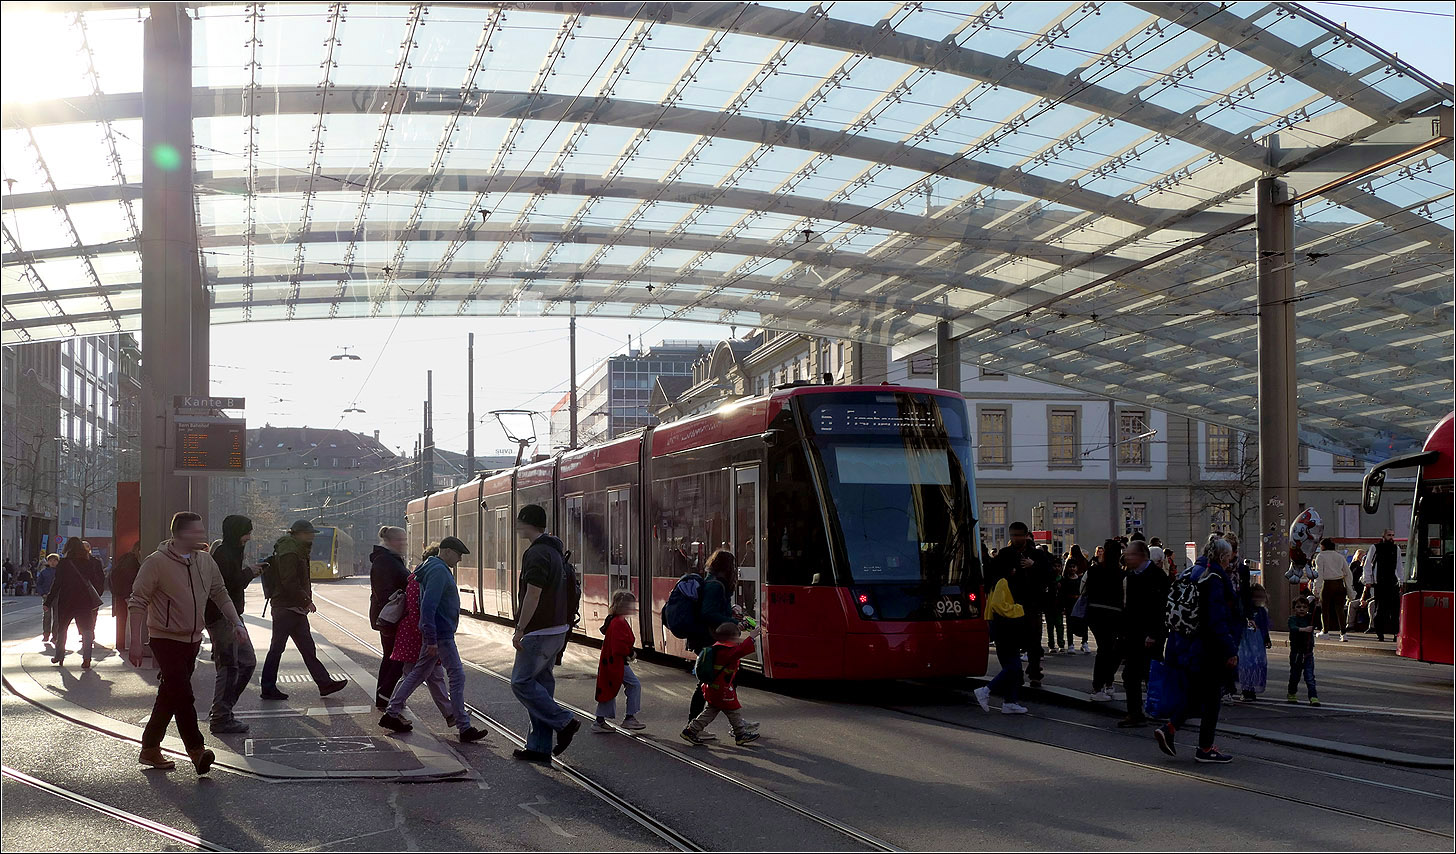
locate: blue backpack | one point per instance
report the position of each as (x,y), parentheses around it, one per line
(680,614)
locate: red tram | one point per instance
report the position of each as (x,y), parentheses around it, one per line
(1425,606)
(850,508)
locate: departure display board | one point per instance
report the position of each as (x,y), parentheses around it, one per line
(207,445)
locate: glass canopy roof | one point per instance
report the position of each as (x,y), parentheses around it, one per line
(1029,171)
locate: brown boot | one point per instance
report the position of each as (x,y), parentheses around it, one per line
(153,757)
(202,760)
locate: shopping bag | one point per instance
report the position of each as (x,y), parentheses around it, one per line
(1167,690)
(1253,661)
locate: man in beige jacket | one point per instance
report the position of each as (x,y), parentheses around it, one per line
(171,592)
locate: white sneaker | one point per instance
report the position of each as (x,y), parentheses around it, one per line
(600,728)
(632,723)
(983,697)
(1012,709)
(1085,650)
(1323,635)
(1344,639)
(1100,697)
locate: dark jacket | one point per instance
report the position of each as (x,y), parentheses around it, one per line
(227,553)
(1033,588)
(1104,589)
(1220,624)
(123,576)
(292,585)
(72,593)
(715,604)
(544,566)
(387,573)
(1147,600)
(95,574)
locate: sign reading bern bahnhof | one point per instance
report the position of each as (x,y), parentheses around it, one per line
(208,444)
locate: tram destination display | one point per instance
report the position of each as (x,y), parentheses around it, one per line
(210,446)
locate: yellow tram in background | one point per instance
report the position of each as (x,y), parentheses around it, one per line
(332,555)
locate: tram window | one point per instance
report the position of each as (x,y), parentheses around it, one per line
(797,553)
(1433,535)
(692,519)
(594,534)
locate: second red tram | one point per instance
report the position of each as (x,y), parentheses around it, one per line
(1425,606)
(850,509)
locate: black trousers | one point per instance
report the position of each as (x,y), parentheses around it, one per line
(1386,619)
(291,625)
(1136,659)
(175,661)
(1106,628)
(390,671)
(1205,698)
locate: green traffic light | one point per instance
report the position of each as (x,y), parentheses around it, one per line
(166,157)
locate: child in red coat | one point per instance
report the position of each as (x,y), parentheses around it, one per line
(614,669)
(720,692)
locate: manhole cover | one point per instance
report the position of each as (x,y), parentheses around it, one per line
(315,746)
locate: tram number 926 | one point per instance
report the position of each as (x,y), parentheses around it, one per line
(950,606)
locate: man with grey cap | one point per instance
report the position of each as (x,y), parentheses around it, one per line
(289,588)
(439,619)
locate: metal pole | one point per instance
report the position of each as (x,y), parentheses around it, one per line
(1278,401)
(1114,506)
(169,256)
(572,411)
(947,358)
(470,411)
(429,431)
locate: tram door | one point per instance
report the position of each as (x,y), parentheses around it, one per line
(504,536)
(747,542)
(619,572)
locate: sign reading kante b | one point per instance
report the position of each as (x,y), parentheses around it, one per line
(190,402)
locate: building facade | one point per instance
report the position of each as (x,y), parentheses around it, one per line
(1076,466)
(613,396)
(330,477)
(32,451)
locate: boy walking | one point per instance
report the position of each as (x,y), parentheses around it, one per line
(721,693)
(1301,652)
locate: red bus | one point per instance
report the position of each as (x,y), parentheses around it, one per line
(850,508)
(1425,607)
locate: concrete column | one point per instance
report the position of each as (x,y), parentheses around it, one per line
(1114,505)
(201,381)
(947,358)
(869,363)
(1278,391)
(169,258)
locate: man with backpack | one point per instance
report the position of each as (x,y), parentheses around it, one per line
(1204,625)
(548,600)
(289,588)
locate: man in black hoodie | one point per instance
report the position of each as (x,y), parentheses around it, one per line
(232,653)
(387,576)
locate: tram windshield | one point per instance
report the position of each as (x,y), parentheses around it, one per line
(896,469)
(323,546)
(1431,539)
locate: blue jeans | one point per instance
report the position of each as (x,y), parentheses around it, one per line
(1008,635)
(1301,664)
(426,669)
(534,685)
(608,708)
(235,660)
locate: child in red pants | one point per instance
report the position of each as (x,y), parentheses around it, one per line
(720,692)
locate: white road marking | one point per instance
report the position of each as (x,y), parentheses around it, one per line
(546,820)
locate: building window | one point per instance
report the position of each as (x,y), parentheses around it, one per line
(1064,528)
(993,523)
(1220,446)
(1344,463)
(995,447)
(263,488)
(1220,518)
(1303,457)
(1064,446)
(1132,445)
(1134,515)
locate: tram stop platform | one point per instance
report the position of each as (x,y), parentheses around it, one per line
(303,737)
(1376,707)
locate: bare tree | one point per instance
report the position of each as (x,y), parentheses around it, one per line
(1238,488)
(90,470)
(30,462)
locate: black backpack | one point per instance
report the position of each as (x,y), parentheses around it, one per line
(571,589)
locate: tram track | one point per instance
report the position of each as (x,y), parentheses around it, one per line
(1175,772)
(166,831)
(866,839)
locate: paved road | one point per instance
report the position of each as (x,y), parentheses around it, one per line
(909,764)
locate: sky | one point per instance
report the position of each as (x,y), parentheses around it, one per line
(522,363)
